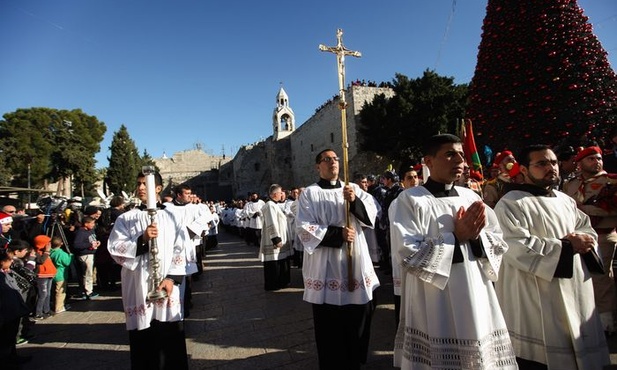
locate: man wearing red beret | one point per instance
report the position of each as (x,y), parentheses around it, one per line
(595,193)
(494,189)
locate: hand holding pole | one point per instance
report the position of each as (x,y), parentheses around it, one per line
(154,293)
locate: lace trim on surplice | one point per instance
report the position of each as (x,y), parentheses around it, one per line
(493,351)
(424,262)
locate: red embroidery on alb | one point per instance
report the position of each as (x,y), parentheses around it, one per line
(333,285)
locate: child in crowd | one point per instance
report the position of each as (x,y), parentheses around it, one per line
(21,249)
(62,260)
(12,308)
(84,246)
(45,274)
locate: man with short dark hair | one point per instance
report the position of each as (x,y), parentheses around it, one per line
(342,308)
(450,247)
(410,177)
(369,233)
(393,188)
(254,220)
(195,218)
(544,287)
(156,329)
(84,247)
(567,164)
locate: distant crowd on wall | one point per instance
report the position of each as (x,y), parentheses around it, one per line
(356,83)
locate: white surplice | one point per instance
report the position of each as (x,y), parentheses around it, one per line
(193,217)
(135,274)
(450,316)
(551,320)
(325,269)
(275,224)
(252,211)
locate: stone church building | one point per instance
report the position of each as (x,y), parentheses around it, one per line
(286,158)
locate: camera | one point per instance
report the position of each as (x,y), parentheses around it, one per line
(50,204)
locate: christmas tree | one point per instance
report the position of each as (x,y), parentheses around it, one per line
(542,77)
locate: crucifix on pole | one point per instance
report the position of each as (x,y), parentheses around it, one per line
(340,51)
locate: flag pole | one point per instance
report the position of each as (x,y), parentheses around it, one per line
(340,51)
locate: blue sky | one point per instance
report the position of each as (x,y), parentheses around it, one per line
(184,73)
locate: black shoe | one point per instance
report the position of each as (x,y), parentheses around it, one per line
(24,359)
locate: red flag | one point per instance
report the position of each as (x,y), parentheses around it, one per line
(469,146)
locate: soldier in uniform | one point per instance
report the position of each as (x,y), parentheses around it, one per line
(494,189)
(595,193)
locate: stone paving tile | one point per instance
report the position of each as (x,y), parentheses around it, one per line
(234,324)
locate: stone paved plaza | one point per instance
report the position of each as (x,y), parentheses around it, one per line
(234,324)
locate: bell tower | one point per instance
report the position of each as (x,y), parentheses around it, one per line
(283,119)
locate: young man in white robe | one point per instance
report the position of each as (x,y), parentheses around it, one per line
(254,219)
(450,248)
(342,309)
(194,218)
(156,331)
(275,247)
(545,286)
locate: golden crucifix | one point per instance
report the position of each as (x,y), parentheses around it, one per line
(340,52)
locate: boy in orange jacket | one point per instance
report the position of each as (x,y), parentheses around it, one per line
(45,274)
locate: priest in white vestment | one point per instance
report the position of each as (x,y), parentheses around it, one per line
(450,248)
(342,308)
(275,248)
(156,331)
(545,286)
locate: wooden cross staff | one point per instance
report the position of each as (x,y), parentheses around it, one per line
(340,51)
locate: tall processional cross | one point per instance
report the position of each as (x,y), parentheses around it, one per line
(340,51)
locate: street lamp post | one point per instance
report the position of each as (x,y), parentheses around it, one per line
(29,199)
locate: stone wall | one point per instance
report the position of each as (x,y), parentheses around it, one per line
(323,130)
(195,167)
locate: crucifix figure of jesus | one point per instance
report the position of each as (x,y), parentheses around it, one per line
(340,51)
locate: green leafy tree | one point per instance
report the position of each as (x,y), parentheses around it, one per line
(422,107)
(147,160)
(55,144)
(542,77)
(124,163)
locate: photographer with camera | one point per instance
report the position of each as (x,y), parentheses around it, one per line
(35,226)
